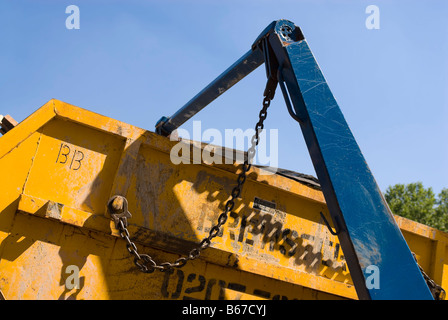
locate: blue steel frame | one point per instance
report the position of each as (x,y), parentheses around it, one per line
(367,231)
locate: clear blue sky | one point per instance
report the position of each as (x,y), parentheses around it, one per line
(139,60)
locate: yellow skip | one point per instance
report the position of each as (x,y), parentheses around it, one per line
(61,165)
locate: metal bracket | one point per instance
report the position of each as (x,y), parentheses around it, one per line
(118,209)
(336,225)
(7,123)
(285,93)
(271,65)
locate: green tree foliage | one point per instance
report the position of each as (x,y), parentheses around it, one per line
(415,202)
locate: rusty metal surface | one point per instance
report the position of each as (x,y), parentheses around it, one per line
(64,163)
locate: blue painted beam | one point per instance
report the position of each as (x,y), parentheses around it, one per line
(369,235)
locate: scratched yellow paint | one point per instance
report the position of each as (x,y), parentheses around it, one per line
(60,166)
(77,165)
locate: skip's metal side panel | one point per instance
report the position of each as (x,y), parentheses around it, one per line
(60,166)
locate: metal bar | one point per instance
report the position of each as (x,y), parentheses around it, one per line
(369,236)
(241,68)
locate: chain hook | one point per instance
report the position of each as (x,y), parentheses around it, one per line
(118,209)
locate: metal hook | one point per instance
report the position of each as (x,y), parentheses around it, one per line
(118,209)
(286,96)
(336,225)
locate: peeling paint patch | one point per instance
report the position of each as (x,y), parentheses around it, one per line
(54,210)
(368,254)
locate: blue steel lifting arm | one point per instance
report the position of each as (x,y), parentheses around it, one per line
(367,231)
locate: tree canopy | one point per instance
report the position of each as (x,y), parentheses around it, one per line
(415,202)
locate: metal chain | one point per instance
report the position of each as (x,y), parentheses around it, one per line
(145,262)
(436,290)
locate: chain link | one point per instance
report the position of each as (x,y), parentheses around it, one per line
(145,263)
(436,290)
